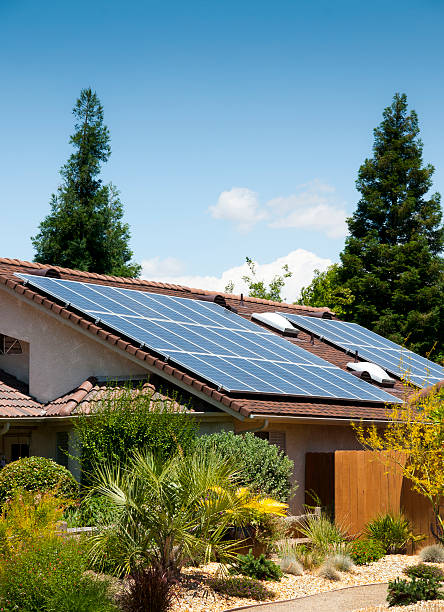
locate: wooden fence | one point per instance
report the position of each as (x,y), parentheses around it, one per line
(365,488)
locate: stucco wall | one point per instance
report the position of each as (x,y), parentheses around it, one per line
(17,365)
(60,357)
(303,438)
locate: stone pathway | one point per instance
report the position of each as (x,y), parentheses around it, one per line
(341,600)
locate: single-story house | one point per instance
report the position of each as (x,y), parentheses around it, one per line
(56,354)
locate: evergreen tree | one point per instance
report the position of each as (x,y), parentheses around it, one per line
(84,229)
(392,260)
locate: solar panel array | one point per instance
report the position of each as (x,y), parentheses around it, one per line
(373,347)
(210,341)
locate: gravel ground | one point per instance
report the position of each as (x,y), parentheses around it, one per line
(195,595)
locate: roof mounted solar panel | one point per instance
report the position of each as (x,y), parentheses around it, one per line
(215,344)
(368,345)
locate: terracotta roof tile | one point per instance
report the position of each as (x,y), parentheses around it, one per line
(16,402)
(8,267)
(243,406)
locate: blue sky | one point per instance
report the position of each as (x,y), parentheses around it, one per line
(237,127)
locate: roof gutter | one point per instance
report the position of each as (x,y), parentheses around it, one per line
(312,419)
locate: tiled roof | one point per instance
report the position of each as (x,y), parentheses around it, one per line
(15,400)
(244,406)
(248,304)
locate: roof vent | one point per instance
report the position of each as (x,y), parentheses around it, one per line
(48,272)
(275,321)
(371,372)
(217,299)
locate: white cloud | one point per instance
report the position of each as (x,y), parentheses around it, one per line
(314,206)
(301,263)
(240,206)
(159,268)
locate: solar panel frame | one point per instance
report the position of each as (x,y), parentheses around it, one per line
(369,345)
(231,352)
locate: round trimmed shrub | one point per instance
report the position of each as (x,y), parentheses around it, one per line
(37,474)
(263,467)
(363,552)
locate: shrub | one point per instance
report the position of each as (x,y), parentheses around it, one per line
(240,586)
(260,567)
(343,563)
(421,570)
(309,559)
(149,590)
(26,516)
(432,554)
(291,566)
(404,592)
(366,551)
(392,530)
(129,418)
(325,536)
(93,510)
(328,572)
(48,575)
(263,467)
(37,474)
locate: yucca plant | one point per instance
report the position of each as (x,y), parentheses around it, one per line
(174,510)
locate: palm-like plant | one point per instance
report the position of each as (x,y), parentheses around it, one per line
(171,511)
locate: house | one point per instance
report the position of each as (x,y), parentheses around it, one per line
(55,357)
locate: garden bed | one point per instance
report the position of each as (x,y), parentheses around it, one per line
(195,594)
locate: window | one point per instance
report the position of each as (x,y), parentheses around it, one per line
(18,451)
(62,442)
(274,437)
(10,346)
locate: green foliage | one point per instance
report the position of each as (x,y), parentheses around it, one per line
(241,586)
(422,570)
(392,260)
(256,567)
(393,531)
(404,592)
(91,512)
(366,551)
(149,590)
(128,418)
(257,288)
(37,474)
(262,466)
(84,229)
(432,554)
(325,536)
(325,290)
(48,576)
(170,510)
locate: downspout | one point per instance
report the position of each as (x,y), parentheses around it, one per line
(256,429)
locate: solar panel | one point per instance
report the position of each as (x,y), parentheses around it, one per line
(211,341)
(372,347)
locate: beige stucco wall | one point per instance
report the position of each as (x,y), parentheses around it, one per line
(60,357)
(302,438)
(17,365)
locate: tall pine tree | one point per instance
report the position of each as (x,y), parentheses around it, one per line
(392,260)
(84,229)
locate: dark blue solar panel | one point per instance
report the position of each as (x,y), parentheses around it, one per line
(372,347)
(212,342)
